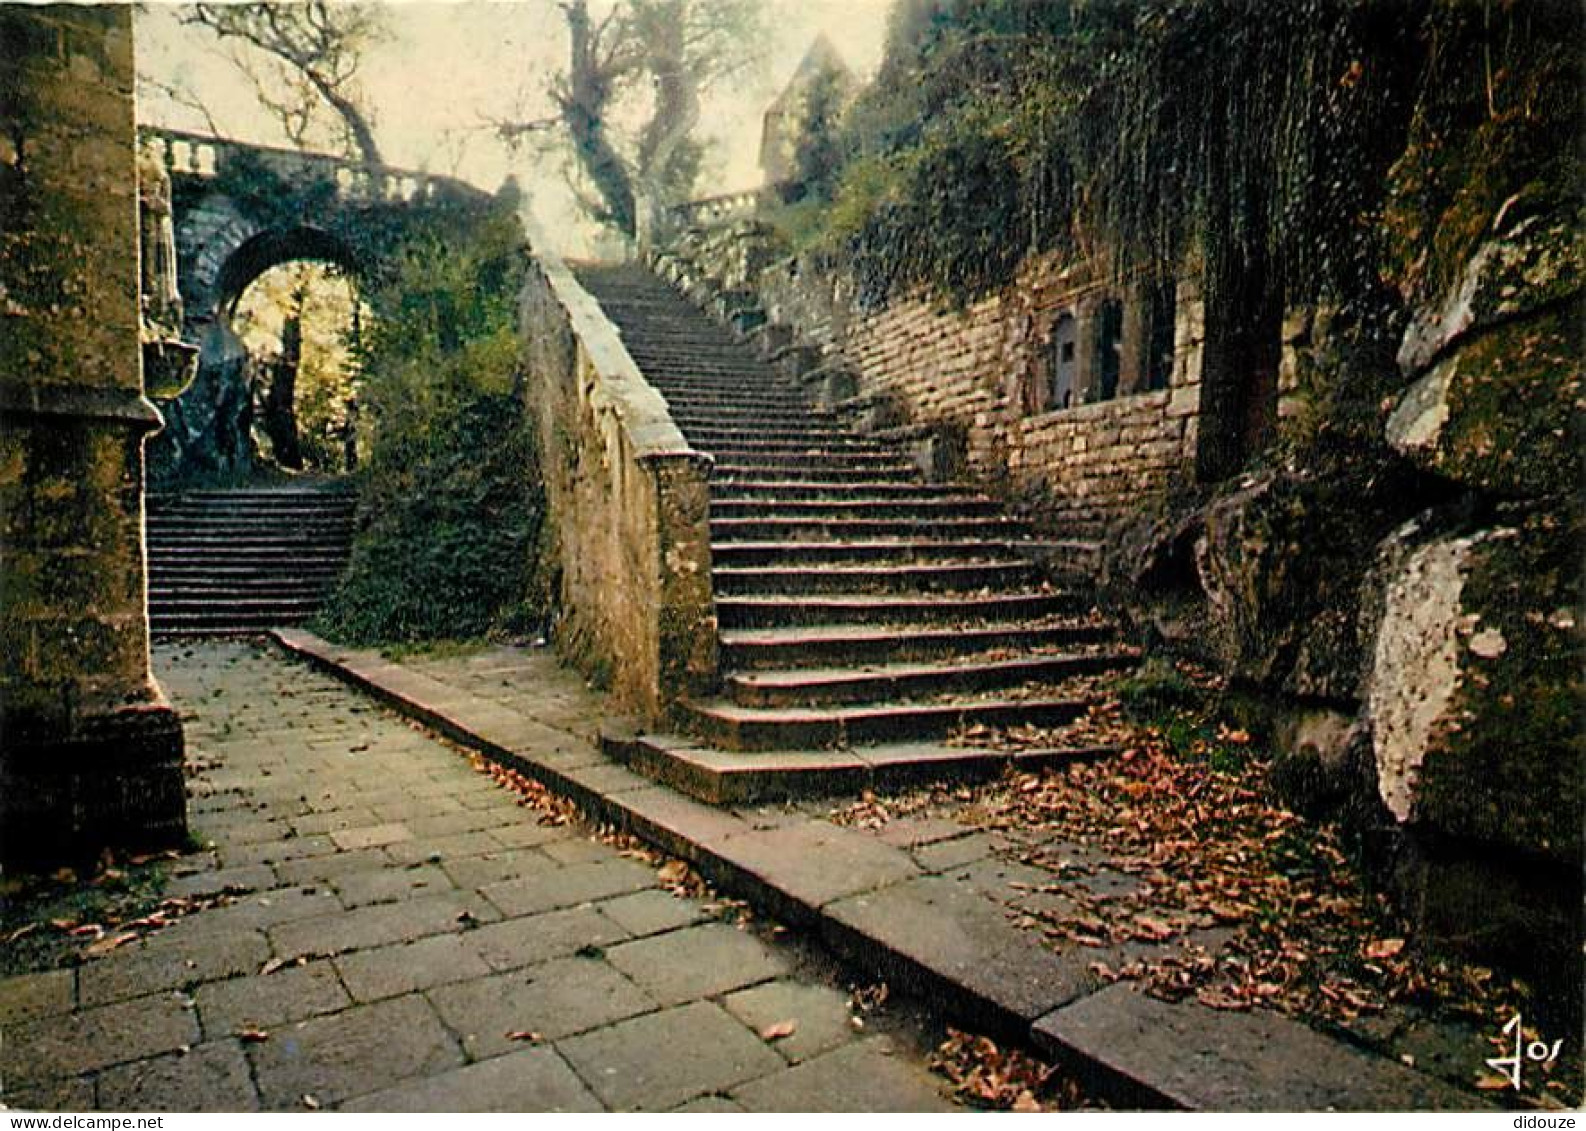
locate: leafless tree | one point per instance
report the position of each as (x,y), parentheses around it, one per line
(303,59)
(674,50)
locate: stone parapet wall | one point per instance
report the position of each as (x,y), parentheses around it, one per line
(974,377)
(628,503)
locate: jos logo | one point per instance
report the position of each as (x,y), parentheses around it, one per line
(1537,1052)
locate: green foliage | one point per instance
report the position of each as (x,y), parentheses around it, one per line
(449,506)
(1251,136)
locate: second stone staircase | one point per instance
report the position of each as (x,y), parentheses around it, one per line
(239,561)
(873,626)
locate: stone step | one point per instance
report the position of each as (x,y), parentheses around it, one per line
(739,465)
(922,550)
(792,432)
(729,726)
(735,470)
(887,577)
(888,609)
(785,489)
(924,509)
(763,529)
(177,529)
(243,570)
(242,606)
(721,777)
(799,448)
(764,649)
(809,686)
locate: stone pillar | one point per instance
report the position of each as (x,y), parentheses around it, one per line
(91,754)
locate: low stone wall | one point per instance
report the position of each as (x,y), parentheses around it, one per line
(975,378)
(628,503)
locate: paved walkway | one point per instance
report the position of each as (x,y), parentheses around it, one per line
(923,900)
(406,936)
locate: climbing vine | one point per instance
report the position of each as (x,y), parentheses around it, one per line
(449,497)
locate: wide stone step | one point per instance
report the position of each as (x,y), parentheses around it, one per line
(814,686)
(241,607)
(901,550)
(209,561)
(791,432)
(733,470)
(890,609)
(722,777)
(855,529)
(328,565)
(903,578)
(220,623)
(799,449)
(732,727)
(786,489)
(176,529)
(764,649)
(922,509)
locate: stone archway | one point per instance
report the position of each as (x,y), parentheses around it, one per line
(238,210)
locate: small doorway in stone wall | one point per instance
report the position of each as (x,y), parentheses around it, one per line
(1157,356)
(1109,349)
(1239,371)
(1063,364)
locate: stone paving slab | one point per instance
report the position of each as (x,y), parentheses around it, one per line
(555,1000)
(864,1076)
(937,933)
(292,994)
(359,1050)
(536,1079)
(658,1061)
(696,962)
(1184,1055)
(210,1077)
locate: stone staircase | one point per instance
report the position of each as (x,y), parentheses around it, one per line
(246,560)
(867,617)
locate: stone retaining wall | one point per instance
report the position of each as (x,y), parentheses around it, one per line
(628,504)
(972,380)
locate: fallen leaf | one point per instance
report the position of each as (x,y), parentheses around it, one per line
(1026,1102)
(106,945)
(1383,948)
(780,1029)
(1493,1083)
(310,1102)
(524,1035)
(673,871)
(253,1036)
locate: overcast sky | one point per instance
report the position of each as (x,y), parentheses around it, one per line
(450,68)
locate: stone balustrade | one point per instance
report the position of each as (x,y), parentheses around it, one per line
(628,502)
(199,155)
(716,209)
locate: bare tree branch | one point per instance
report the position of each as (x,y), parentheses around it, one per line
(315,42)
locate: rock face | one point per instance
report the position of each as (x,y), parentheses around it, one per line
(1408,600)
(1474,691)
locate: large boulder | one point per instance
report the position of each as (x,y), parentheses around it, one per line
(1500,413)
(1280,563)
(1528,265)
(1475,686)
